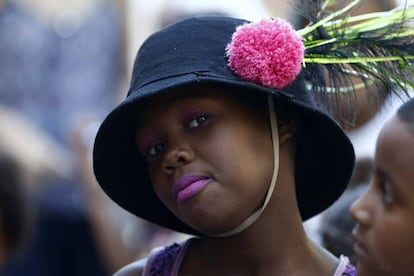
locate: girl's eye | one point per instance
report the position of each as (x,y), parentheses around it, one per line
(198,121)
(153,151)
(386,192)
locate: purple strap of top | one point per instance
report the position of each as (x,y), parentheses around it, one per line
(164,260)
(350,270)
(345,268)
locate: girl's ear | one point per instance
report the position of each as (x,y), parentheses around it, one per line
(287,130)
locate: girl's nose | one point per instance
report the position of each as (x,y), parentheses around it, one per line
(176,157)
(360,209)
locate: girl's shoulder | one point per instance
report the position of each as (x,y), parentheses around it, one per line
(161,261)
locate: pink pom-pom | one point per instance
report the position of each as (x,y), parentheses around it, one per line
(269,52)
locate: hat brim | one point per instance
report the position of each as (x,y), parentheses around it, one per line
(324,154)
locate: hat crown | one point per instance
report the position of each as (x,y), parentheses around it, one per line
(191,46)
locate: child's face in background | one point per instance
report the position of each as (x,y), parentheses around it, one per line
(210,157)
(385,213)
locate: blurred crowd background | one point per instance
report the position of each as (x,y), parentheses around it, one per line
(63,66)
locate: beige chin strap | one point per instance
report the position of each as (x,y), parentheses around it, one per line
(275,140)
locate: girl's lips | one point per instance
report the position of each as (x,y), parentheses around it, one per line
(358,247)
(188,186)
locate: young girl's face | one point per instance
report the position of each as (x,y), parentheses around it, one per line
(210,157)
(385,213)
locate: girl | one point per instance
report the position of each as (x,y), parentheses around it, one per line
(224,135)
(384,213)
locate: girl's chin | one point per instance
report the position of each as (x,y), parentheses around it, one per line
(367,269)
(212,229)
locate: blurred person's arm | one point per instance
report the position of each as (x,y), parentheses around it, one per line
(106,230)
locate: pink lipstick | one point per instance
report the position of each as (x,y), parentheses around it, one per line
(188,186)
(358,246)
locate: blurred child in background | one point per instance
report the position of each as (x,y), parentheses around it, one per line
(383,237)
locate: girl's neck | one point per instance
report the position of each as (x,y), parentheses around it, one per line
(258,252)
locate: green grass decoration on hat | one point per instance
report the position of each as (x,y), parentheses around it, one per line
(372,47)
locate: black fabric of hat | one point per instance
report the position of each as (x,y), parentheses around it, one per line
(192,52)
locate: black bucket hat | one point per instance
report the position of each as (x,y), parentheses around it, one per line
(192,52)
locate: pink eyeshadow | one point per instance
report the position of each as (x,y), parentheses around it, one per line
(147,141)
(190,114)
